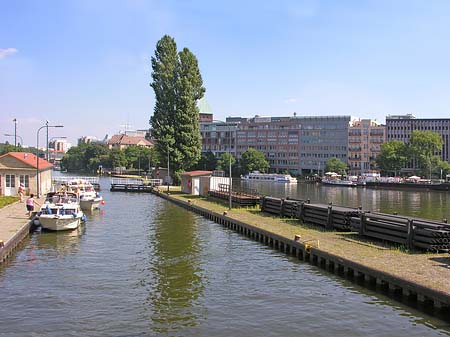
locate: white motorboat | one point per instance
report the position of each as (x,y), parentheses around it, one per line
(338,182)
(89,198)
(269,177)
(61,211)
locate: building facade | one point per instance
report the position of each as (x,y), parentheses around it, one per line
(365,138)
(400,127)
(21,168)
(299,145)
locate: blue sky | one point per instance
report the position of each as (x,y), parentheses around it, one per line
(86,63)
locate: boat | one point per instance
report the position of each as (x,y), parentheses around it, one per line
(269,177)
(90,199)
(332,178)
(61,211)
(338,182)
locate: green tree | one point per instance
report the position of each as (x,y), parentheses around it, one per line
(5,148)
(117,158)
(224,162)
(253,160)
(423,146)
(393,156)
(178,86)
(85,157)
(336,165)
(442,168)
(207,162)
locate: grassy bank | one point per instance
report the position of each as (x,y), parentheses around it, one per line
(7,200)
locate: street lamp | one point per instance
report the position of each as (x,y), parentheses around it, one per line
(15,133)
(230,187)
(38,192)
(168,169)
(15,137)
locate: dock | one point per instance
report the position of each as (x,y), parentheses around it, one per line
(15,227)
(134,185)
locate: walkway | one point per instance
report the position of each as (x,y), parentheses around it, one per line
(14,226)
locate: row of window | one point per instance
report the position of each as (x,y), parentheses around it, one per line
(10,180)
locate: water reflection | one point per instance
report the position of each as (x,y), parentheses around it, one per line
(58,244)
(176,270)
(425,204)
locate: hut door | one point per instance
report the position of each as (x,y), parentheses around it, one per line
(10,184)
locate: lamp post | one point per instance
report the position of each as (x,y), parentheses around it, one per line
(15,137)
(15,133)
(38,192)
(168,169)
(230,187)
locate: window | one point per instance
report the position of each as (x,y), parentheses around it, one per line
(10,180)
(25,180)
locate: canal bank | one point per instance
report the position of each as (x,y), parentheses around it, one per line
(15,227)
(421,279)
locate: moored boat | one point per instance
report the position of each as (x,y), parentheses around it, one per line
(61,211)
(269,177)
(90,199)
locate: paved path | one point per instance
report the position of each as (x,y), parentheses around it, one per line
(13,219)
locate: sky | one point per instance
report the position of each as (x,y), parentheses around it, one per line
(86,64)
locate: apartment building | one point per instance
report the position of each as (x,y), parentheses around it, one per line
(400,127)
(365,137)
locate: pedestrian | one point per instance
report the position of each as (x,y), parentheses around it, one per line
(20,192)
(30,204)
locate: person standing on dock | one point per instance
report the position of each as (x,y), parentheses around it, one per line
(20,192)
(30,204)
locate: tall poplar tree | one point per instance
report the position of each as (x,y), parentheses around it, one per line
(178,86)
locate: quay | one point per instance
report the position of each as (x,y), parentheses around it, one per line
(15,227)
(421,280)
(134,185)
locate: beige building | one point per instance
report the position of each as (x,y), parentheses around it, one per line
(122,141)
(21,168)
(365,137)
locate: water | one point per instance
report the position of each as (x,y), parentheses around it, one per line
(425,204)
(145,267)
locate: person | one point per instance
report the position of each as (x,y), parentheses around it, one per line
(21,189)
(30,204)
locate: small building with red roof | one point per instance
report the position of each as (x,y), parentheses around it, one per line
(22,168)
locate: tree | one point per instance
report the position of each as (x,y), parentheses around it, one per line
(178,86)
(336,165)
(224,162)
(253,160)
(393,156)
(117,158)
(423,145)
(207,162)
(5,148)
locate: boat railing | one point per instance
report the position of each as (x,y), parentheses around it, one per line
(67,179)
(126,181)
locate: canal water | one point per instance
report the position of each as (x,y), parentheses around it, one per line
(143,266)
(426,204)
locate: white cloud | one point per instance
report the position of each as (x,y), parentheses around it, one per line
(290,100)
(7,51)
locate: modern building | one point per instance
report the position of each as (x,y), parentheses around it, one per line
(21,168)
(219,137)
(57,148)
(365,137)
(400,127)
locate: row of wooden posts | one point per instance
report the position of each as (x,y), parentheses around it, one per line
(414,233)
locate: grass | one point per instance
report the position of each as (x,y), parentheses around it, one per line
(4,201)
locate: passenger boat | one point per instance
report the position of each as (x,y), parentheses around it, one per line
(332,178)
(338,182)
(61,211)
(269,177)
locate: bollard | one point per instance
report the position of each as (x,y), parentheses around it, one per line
(1,244)
(297,237)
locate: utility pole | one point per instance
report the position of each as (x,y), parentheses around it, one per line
(15,133)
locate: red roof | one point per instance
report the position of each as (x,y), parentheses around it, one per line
(29,159)
(197,173)
(129,140)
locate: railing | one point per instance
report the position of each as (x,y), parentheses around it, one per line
(66,179)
